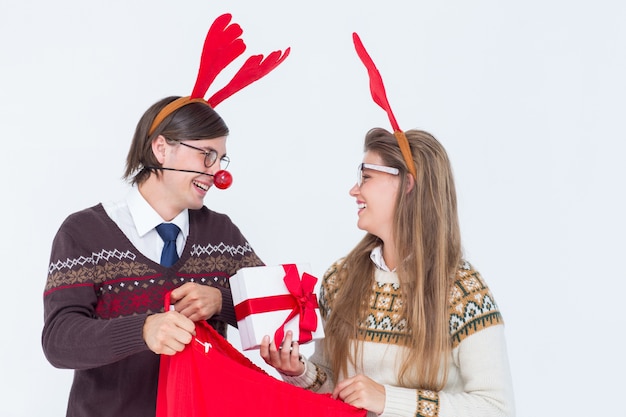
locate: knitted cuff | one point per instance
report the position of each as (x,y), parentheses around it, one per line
(127,335)
(408,401)
(311,379)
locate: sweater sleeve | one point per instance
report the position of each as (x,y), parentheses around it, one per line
(484,369)
(485,377)
(479,383)
(317,376)
(73,339)
(227,313)
(73,335)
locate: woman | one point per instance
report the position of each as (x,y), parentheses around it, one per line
(411,328)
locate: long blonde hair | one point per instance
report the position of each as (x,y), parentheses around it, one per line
(428,245)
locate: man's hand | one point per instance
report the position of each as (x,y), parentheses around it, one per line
(167,333)
(196,302)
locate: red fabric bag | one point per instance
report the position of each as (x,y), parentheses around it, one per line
(210,378)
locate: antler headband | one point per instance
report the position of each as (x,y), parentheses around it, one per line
(380,97)
(221,47)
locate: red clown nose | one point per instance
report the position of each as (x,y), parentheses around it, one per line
(222,179)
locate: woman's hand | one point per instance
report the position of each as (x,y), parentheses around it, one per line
(362,392)
(285,359)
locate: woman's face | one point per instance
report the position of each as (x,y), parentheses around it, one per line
(376,198)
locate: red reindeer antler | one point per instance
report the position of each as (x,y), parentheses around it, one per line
(253,69)
(379,95)
(376,81)
(222,46)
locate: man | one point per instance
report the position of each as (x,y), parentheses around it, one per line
(111,265)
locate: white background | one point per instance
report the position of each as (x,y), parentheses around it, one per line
(528,98)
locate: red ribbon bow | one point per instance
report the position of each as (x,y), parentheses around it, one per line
(301,301)
(306,302)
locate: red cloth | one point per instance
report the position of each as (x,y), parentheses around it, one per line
(212,378)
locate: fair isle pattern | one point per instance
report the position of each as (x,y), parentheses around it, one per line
(328,289)
(131,284)
(95,258)
(130,296)
(385,322)
(427,403)
(320,379)
(86,269)
(472,307)
(199,265)
(116,286)
(87,273)
(199,250)
(127,287)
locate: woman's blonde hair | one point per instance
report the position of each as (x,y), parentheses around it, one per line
(428,244)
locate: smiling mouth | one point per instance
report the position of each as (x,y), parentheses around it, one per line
(361,206)
(201,186)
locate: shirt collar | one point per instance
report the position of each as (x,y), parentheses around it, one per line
(146,218)
(377,257)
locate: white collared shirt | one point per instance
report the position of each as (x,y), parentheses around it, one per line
(138,220)
(377,257)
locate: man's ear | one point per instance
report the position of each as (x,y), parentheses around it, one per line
(159,145)
(410,183)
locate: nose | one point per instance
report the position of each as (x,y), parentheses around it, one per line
(354,191)
(213,168)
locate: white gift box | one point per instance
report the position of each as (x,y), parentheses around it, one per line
(263,302)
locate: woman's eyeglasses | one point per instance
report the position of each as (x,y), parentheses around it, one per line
(380,168)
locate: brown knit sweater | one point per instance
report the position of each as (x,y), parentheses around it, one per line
(99,291)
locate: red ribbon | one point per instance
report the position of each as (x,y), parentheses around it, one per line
(301,301)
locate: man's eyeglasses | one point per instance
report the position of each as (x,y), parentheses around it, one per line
(210,156)
(380,168)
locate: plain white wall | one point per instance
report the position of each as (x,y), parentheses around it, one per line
(528,98)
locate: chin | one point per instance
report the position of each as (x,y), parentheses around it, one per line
(362,226)
(197,205)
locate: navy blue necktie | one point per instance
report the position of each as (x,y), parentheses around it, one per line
(168,232)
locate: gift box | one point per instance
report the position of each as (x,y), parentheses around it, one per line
(270,300)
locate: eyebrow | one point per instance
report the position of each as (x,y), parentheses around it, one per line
(208,149)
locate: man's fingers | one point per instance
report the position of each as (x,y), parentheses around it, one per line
(179,293)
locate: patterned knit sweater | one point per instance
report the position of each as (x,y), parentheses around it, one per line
(479,381)
(100,290)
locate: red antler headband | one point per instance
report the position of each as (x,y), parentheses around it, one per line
(380,97)
(221,46)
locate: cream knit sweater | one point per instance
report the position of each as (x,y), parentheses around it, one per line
(479,380)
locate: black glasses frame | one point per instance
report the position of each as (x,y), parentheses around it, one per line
(210,156)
